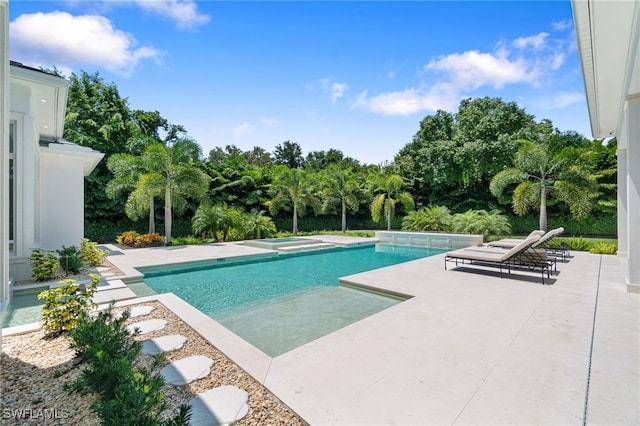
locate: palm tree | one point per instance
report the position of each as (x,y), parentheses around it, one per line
(481,222)
(387,189)
(257,225)
(208,220)
(432,218)
(540,173)
(292,188)
(128,170)
(172,167)
(340,187)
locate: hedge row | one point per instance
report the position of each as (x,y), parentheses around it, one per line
(600,226)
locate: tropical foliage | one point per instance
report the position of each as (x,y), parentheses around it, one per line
(154,170)
(388,190)
(541,171)
(293,190)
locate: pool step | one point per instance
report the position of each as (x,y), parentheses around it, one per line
(306,247)
(112,291)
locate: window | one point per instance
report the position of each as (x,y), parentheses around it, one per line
(12,186)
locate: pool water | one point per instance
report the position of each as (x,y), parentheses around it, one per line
(282,302)
(23,309)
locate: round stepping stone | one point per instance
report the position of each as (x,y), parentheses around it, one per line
(186,370)
(219,406)
(147,326)
(163,344)
(137,311)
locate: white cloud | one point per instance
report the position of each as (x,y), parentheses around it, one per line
(268,122)
(448,79)
(408,101)
(536,42)
(67,41)
(473,69)
(391,75)
(184,12)
(337,90)
(564,100)
(334,89)
(563,25)
(241,130)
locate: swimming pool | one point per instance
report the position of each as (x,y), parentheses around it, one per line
(284,301)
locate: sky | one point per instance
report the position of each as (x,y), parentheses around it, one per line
(353,76)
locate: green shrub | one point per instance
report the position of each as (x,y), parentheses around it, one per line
(64,305)
(575,243)
(91,253)
(44,264)
(189,240)
(70,259)
(432,218)
(600,247)
(481,222)
(126,395)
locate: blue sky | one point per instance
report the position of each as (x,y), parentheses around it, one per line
(354,76)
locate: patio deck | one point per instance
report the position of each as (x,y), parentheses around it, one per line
(467,348)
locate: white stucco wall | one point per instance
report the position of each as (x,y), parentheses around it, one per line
(4,158)
(61,200)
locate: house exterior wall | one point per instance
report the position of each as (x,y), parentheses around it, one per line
(62,200)
(4,158)
(26,172)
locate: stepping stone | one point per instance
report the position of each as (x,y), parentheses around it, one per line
(147,326)
(163,344)
(219,406)
(136,311)
(186,370)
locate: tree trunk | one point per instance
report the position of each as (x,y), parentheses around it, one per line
(167,213)
(344,217)
(388,206)
(295,219)
(152,219)
(543,207)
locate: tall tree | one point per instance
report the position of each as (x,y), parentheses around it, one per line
(292,189)
(128,170)
(340,187)
(539,173)
(99,118)
(172,165)
(288,153)
(387,190)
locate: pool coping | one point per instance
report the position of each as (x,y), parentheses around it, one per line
(467,348)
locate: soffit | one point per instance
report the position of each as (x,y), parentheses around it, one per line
(607,34)
(48,99)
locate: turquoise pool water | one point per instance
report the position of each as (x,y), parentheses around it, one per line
(283,302)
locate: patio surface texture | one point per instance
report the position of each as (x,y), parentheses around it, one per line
(468,347)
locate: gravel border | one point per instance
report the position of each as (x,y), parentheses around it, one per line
(33,371)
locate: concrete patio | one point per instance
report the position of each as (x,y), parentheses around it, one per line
(468,347)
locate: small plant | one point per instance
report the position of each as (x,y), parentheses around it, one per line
(134,239)
(603,248)
(91,253)
(127,238)
(70,259)
(64,305)
(44,264)
(126,395)
(149,240)
(576,243)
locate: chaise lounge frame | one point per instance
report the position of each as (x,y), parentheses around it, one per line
(514,258)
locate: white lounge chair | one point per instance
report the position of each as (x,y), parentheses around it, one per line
(508,243)
(510,259)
